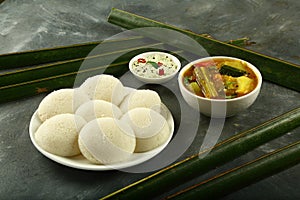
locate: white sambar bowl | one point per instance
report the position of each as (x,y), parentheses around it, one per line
(219,107)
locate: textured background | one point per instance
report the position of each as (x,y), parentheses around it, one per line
(35,24)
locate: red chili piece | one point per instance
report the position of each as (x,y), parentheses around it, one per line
(159,64)
(161,72)
(141,60)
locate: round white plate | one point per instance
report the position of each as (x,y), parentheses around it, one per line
(79,162)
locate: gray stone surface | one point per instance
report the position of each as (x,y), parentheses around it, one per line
(35,24)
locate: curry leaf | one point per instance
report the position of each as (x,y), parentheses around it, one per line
(154,64)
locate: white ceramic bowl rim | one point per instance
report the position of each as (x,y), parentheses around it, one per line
(174,58)
(251,66)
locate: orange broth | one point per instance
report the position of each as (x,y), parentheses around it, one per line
(218,62)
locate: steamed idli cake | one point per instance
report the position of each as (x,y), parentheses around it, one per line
(97,109)
(106,141)
(61,101)
(59,134)
(104,87)
(141,98)
(151,129)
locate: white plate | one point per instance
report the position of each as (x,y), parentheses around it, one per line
(79,162)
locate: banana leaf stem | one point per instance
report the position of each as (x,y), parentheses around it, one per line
(244,175)
(221,153)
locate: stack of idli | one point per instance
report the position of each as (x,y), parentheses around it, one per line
(102,120)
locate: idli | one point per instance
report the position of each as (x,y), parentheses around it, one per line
(141,98)
(104,87)
(106,141)
(151,128)
(59,134)
(61,101)
(98,108)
